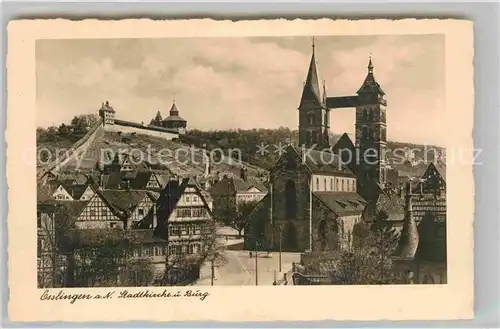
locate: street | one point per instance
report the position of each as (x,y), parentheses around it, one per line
(239,269)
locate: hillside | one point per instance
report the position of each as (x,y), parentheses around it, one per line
(185,157)
(250,141)
(181,159)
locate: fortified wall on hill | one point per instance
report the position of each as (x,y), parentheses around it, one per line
(111,123)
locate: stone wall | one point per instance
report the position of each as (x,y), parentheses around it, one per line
(140,131)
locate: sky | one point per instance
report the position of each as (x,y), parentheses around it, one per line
(229,83)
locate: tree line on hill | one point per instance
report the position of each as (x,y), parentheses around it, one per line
(72,132)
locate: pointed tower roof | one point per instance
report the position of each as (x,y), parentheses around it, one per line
(158,117)
(312,91)
(409,239)
(174,114)
(174,110)
(370,85)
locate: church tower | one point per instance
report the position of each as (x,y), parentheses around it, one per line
(371,129)
(314,116)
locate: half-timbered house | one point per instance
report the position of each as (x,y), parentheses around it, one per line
(183,217)
(421,253)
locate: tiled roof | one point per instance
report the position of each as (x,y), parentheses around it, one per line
(167,202)
(123,200)
(409,239)
(76,191)
(241,185)
(232,185)
(406,169)
(68,212)
(323,162)
(147,236)
(370,84)
(312,93)
(140,181)
(342,203)
(223,187)
(345,149)
(174,118)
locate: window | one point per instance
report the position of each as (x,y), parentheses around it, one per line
(148,251)
(175,229)
(317,184)
(183,212)
(195,198)
(353,185)
(190,249)
(331,184)
(188,199)
(112,225)
(342,185)
(324,184)
(38,219)
(92,212)
(140,212)
(336,184)
(183,229)
(198,212)
(104,212)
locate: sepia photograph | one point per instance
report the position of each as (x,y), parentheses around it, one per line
(308,167)
(170,166)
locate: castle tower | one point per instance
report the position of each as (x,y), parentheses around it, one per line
(314,116)
(107,113)
(174,121)
(371,129)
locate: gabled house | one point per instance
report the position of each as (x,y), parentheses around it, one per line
(73,192)
(183,217)
(233,191)
(421,253)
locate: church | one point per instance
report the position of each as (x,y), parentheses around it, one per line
(319,192)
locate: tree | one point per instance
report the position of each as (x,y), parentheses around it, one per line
(383,241)
(105,258)
(182,265)
(241,215)
(368,261)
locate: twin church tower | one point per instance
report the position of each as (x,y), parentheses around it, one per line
(370,145)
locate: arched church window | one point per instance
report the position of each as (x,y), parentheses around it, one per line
(353,185)
(324,184)
(290,199)
(342,185)
(370,114)
(336,184)
(317,184)
(366,133)
(331,184)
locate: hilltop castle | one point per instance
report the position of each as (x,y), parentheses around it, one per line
(170,128)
